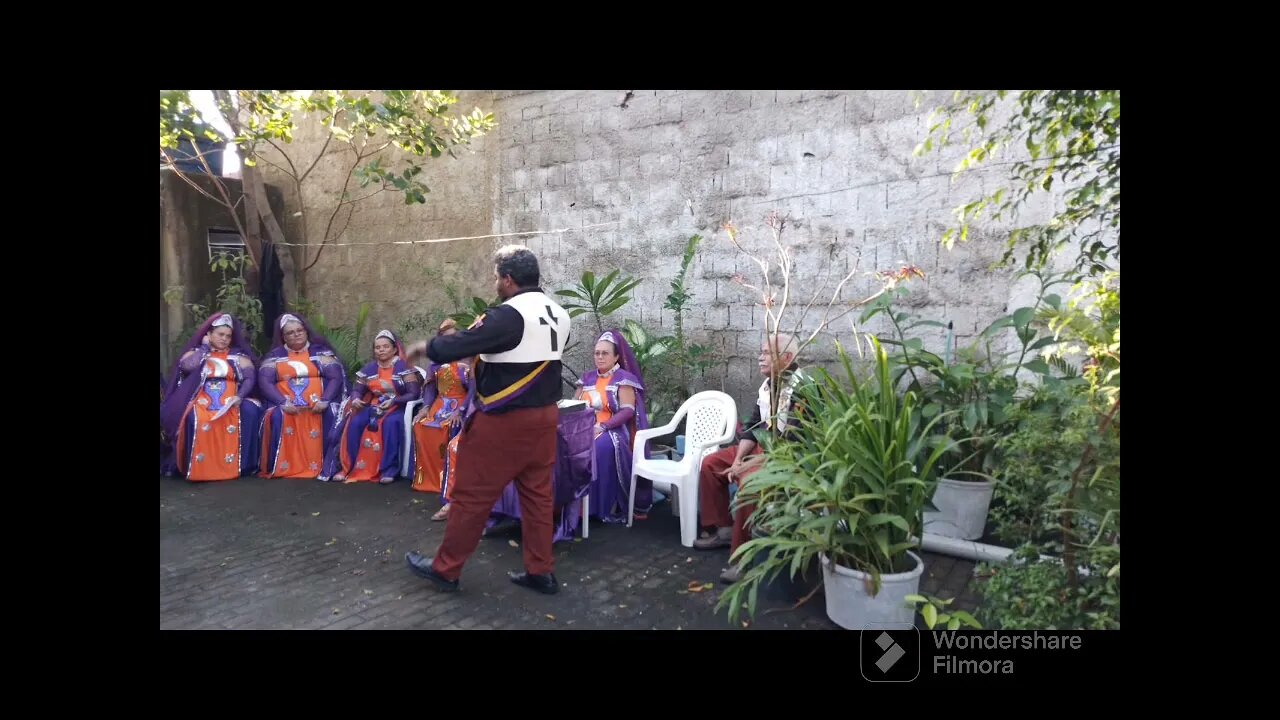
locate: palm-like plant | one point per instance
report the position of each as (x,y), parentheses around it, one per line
(345,340)
(599,297)
(851,483)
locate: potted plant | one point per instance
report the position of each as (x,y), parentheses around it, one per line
(847,490)
(978,386)
(978,391)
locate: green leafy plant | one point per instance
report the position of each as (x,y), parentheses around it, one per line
(686,358)
(601,298)
(383,136)
(1058,453)
(647,348)
(1031,593)
(652,353)
(934,612)
(345,340)
(1072,138)
(980,383)
(1060,480)
(851,483)
(232,295)
(466,316)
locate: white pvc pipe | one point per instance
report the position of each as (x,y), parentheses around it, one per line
(966,549)
(975,551)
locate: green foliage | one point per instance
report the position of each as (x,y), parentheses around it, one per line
(601,298)
(669,381)
(980,384)
(686,357)
(346,341)
(232,295)
(935,613)
(1073,140)
(180,121)
(466,316)
(1035,594)
(851,483)
(1059,471)
(417,122)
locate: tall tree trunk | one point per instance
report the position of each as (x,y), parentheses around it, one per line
(257,202)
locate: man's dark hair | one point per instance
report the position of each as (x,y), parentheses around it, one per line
(520,263)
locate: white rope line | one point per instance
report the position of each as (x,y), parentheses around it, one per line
(440,240)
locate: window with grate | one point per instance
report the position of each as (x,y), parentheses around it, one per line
(222,240)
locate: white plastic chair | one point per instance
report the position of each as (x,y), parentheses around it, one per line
(712,419)
(406,450)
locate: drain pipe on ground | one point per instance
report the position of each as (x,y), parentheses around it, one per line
(965,549)
(976,551)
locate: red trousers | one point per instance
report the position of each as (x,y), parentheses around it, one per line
(713,499)
(493,450)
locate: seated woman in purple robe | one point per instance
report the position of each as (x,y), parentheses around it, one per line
(615,391)
(370,432)
(302,381)
(209,419)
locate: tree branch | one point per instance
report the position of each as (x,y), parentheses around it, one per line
(323,148)
(826,280)
(266,160)
(1068,550)
(333,216)
(826,315)
(255,251)
(258,186)
(173,167)
(784,262)
(292,171)
(366,197)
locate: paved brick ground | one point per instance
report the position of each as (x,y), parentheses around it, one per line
(256,553)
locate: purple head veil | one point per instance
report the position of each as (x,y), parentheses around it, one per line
(627,361)
(175,397)
(318,341)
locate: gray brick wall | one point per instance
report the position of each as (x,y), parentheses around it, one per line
(674,163)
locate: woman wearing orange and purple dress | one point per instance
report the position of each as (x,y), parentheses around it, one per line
(208,417)
(615,391)
(302,381)
(445,399)
(371,431)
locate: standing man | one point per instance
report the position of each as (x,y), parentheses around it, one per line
(512,434)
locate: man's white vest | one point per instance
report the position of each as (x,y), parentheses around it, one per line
(546,330)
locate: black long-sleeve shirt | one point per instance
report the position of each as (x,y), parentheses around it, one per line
(502,330)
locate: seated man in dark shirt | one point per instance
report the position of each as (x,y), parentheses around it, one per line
(730,464)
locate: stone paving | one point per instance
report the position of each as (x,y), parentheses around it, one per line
(295,554)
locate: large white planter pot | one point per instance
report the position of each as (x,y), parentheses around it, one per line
(962,509)
(851,606)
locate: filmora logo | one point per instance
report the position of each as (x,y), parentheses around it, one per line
(890,655)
